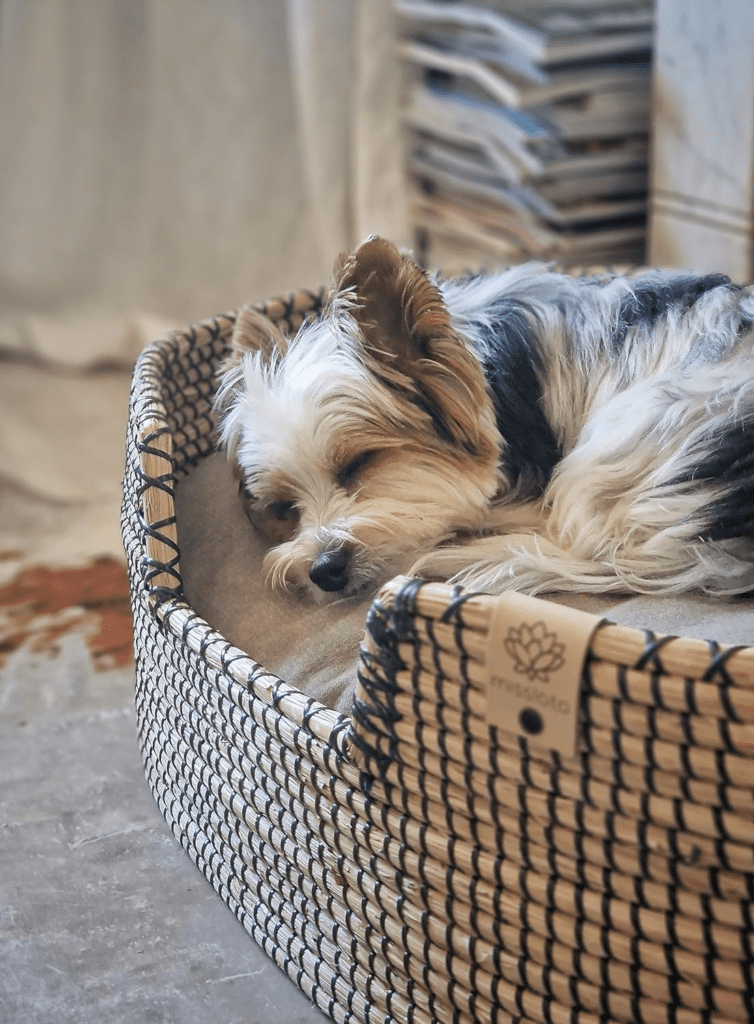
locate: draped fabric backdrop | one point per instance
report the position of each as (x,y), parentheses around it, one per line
(164,160)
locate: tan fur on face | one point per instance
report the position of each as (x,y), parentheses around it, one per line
(401,504)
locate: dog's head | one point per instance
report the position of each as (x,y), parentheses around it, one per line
(366,439)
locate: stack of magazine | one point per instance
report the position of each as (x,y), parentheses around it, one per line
(527,126)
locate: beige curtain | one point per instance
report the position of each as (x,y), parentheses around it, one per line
(163,160)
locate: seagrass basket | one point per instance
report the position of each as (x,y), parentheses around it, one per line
(413,862)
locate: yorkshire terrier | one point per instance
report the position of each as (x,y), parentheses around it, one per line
(524,430)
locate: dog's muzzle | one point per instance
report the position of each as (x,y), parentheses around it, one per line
(329,571)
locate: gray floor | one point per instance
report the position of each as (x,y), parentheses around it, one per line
(103,917)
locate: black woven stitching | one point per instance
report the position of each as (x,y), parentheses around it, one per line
(644,803)
(432,1003)
(453,609)
(316,299)
(721,767)
(576,973)
(723,689)
(523,971)
(404,846)
(636,1014)
(634,973)
(586,683)
(439,702)
(378,682)
(606,936)
(164,480)
(551,847)
(519,999)
(523,838)
(497,971)
(547,1001)
(617,712)
(497,871)
(524,761)
(684,755)
(584,759)
(689,694)
(410,986)
(402,793)
(724,726)
(616,744)
(422,775)
(685,784)
(492,775)
(151,568)
(339,743)
(473,969)
(650,654)
(523,915)
(578,814)
(710,1003)
(552,805)
(522,873)
(584,783)
(581,858)
(144,446)
(404,610)
(287,302)
(445,780)
(310,710)
(672,894)
(717,670)
(607,882)
(605,986)
(643,850)
(587,729)
(651,720)
(678,813)
(623,683)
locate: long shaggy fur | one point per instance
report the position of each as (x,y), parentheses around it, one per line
(523,430)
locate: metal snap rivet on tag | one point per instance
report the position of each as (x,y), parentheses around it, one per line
(531,721)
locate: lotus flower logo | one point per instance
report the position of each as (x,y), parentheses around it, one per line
(534,652)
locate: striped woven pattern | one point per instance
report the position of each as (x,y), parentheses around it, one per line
(411,863)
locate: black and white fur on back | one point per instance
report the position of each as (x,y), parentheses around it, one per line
(523,430)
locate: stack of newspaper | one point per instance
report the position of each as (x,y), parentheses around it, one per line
(527,127)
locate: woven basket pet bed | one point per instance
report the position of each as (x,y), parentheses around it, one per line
(411,862)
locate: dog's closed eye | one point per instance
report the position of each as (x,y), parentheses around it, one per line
(347,474)
(282,511)
(276,520)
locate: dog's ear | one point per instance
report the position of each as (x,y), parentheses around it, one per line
(254,332)
(397,307)
(410,344)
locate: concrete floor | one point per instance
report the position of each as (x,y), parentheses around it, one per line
(103,917)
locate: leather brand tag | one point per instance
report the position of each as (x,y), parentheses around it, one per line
(535,659)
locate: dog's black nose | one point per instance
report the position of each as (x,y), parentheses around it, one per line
(330,570)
